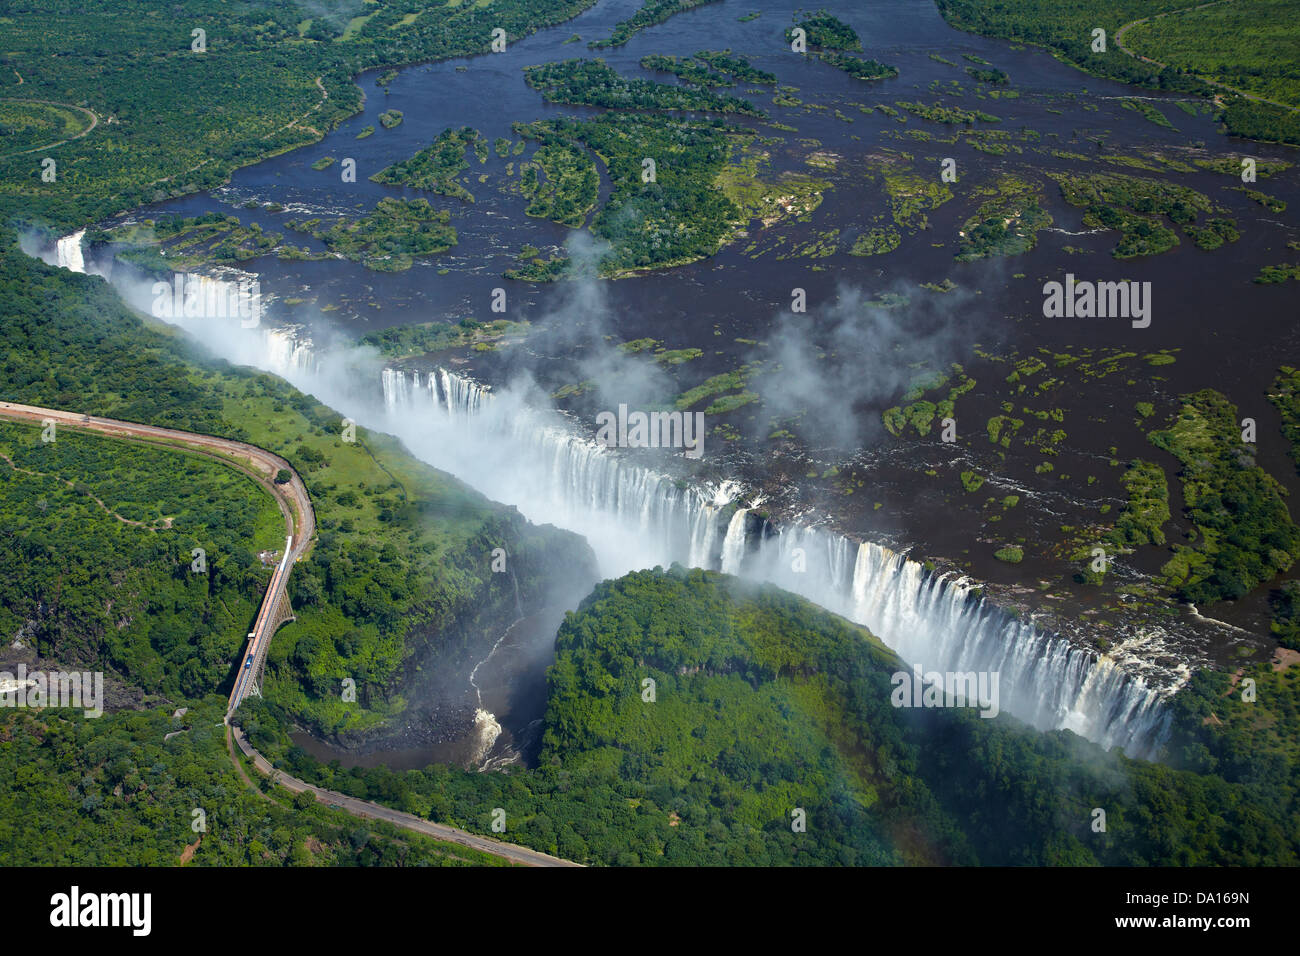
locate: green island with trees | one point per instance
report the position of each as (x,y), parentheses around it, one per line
(1131,205)
(388,238)
(594,83)
(652,12)
(435,167)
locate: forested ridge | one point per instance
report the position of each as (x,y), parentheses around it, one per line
(764,704)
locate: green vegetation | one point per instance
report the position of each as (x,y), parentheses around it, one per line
(770,201)
(1285,395)
(831,40)
(686,69)
(1127,203)
(911,196)
(1271,203)
(435,167)
(1005,225)
(939,113)
(170,243)
(993,76)
(121,520)
(679,215)
(29,126)
(390,119)
(857,67)
(405,341)
(1245,532)
(1271,275)
(121,791)
(715,385)
(304,87)
(1285,626)
(737,67)
(729,403)
(1244,45)
(922,414)
(1147,510)
(709,68)
(651,12)
(1232,166)
(1148,111)
(1011,554)
(389,238)
(540,270)
(325,162)
(593,83)
(876,241)
(569,190)
(972,481)
(828,33)
(771,704)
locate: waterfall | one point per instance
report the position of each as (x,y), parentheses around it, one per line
(486,729)
(733,545)
(69,252)
(636,517)
(935,621)
(287,350)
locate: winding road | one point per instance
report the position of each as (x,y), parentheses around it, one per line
(94,121)
(300,521)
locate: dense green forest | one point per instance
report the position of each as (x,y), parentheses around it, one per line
(96,566)
(123,790)
(560,179)
(435,167)
(136,63)
(1247,45)
(673,214)
(763,704)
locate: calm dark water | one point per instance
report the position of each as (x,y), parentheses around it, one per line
(730,291)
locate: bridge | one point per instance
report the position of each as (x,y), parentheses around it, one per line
(275,610)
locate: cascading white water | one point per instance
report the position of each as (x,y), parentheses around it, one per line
(287,349)
(933,621)
(69,253)
(937,623)
(634,517)
(733,544)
